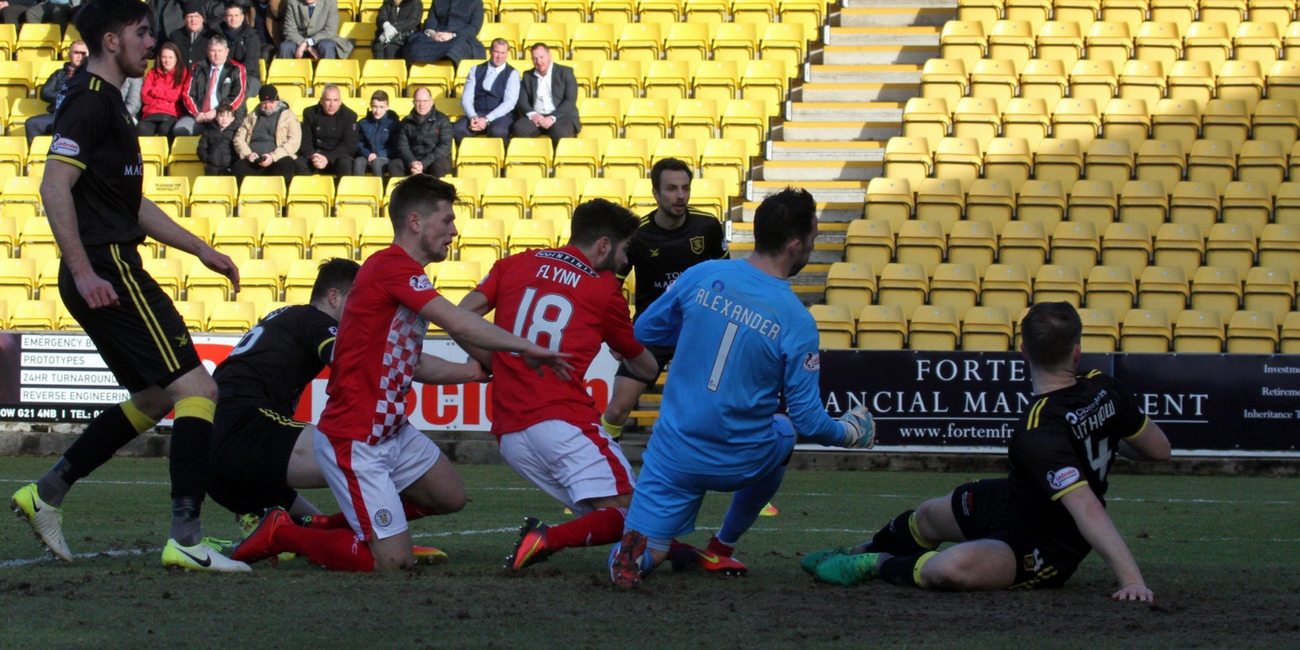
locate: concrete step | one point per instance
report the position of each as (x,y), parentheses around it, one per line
(842,131)
(926,36)
(823,253)
(828,233)
(860,151)
(904,73)
(802,171)
(822,191)
(878,54)
(891,112)
(826,212)
(859,92)
(909,16)
(950,5)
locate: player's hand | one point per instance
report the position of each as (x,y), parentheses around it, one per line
(96,291)
(859,429)
(537,356)
(221,263)
(1137,592)
(475,373)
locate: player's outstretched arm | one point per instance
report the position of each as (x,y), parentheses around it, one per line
(464,325)
(56,194)
(478,303)
(1150,444)
(1095,524)
(158,225)
(436,370)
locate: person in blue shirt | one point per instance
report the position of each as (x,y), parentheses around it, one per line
(751,344)
(377,137)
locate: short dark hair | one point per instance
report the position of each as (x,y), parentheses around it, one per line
(235,4)
(334,273)
(1050,331)
(533,48)
(599,218)
(101,17)
(225,108)
(783,216)
(419,193)
(669,165)
(379,95)
(501,41)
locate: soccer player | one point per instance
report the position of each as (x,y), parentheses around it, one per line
(376,463)
(568,300)
(750,343)
(1032,529)
(670,240)
(92,193)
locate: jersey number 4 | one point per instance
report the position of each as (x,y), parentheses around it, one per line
(1099,455)
(547,315)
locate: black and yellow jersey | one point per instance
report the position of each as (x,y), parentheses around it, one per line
(658,255)
(93,130)
(1067,440)
(276,360)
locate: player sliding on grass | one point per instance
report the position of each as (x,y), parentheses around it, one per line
(261,456)
(549,432)
(743,342)
(381,469)
(1033,528)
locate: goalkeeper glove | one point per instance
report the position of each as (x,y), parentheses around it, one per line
(859,429)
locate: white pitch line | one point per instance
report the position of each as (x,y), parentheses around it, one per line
(9,564)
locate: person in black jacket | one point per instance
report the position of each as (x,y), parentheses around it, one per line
(329,136)
(397,20)
(192,39)
(41,124)
(203,98)
(169,16)
(245,44)
(425,143)
(217,144)
(377,135)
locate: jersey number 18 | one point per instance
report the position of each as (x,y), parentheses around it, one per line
(531,321)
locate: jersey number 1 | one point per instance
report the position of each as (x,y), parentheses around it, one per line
(532,315)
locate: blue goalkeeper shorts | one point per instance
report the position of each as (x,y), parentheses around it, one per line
(666,500)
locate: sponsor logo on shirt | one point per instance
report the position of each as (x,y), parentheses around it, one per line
(334,331)
(64,146)
(421,282)
(812,361)
(1063,478)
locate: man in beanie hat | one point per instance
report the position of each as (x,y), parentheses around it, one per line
(192,38)
(268,140)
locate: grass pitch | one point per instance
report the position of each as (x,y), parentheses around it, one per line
(1220,554)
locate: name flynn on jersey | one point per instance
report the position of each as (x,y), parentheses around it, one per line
(737,312)
(559,274)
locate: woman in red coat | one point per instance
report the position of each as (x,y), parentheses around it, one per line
(163,92)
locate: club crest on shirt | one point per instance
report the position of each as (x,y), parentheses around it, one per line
(421,282)
(64,146)
(1063,478)
(383,517)
(812,361)
(334,331)
(697,244)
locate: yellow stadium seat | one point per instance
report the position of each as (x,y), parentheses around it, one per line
(602,118)
(382,74)
(284,240)
(626,159)
(1270,289)
(592,42)
(695,119)
(955,285)
(1216,288)
(1111,287)
(1286,205)
(1043,80)
(1279,246)
(17,280)
(907,159)
(1007,286)
(358,197)
(940,201)
(890,200)
(259,282)
(1162,162)
(1035,11)
(992,201)
(958,159)
(933,327)
(310,197)
(946,79)
(299,279)
(290,72)
(344,73)
(482,241)
(1026,119)
(687,42)
(1231,245)
(735,42)
(921,243)
(1207,41)
(974,243)
(1194,204)
(1058,282)
(927,119)
(717,80)
(646,118)
(213,197)
(1059,161)
(1290,342)
(505,199)
(611,189)
(205,285)
(8,236)
(1100,330)
(1212,162)
(1277,120)
(621,79)
(727,161)
(641,42)
(1127,245)
(993,79)
(1094,202)
(529,158)
(903,285)
(1247,204)
(47,283)
(962,40)
(1043,202)
(1198,331)
(1143,203)
(480,157)
(36,240)
(376,235)
(1180,245)
(456,279)
(262,197)
(554,35)
(1076,118)
(38,41)
(37,153)
(237,237)
(1159,42)
(1252,332)
(869,242)
(531,233)
(835,326)
(881,327)
(170,193)
(30,315)
(234,317)
(335,237)
(986,329)
(1024,243)
(194,313)
(850,284)
(17,80)
(977,117)
(1146,331)
(578,158)
(1164,288)
(1227,120)
(183,158)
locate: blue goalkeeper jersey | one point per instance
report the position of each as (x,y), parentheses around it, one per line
(743,340)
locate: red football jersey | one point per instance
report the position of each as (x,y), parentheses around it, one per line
(556,300)
(381,337)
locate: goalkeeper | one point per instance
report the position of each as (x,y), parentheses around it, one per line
(748,343)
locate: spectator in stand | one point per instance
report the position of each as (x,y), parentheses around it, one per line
(268,19)
(397,21)
(268,139)
(329,136)
(163,93)
(213,82)
(547,100)
(425,142)
(245,45)
(192,39)
(15,11)
(52,11)
(217,145)
(131,87)
(168,16)
(377,135)
(450,32)
(489,98)
(311,29)
(41,124)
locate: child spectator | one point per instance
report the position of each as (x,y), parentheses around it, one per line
(378,132)
(217,144)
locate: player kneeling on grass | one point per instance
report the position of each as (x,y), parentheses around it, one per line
(1033,528)
(743,342)
(261,456)
(549,432)
(375,461)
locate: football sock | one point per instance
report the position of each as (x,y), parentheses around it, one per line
(747,503)
(336,521)
(719,547)
(615,431)
(414,512)
(596,528)
(905,571)
(107,433)
(190,445)
(900,537)
(302,508)
(336,550)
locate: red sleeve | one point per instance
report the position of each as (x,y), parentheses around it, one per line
(407,283)
(489,285)
(618,324)
(186,98)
